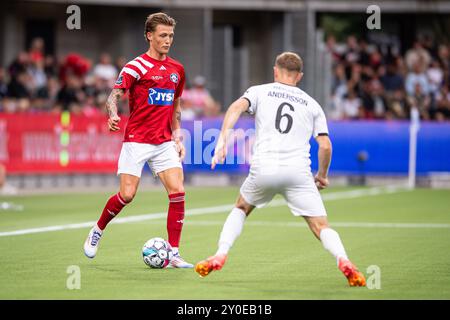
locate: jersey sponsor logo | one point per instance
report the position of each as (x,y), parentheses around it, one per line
(162,68)
(161,97)
(174,77)
(119,80)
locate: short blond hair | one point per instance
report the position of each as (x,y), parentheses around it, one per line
(289,61)
(156,19)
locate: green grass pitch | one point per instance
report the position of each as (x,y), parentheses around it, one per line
(406,234)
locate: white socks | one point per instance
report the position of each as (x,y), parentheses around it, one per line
(331,241)
(97,228)
(231,230)
(234,224)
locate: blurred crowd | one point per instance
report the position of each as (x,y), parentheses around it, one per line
(35,82)
(370,82)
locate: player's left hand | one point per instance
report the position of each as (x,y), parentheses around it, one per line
(321,182)
(179,147)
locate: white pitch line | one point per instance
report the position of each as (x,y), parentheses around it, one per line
(334,224)
(207,210)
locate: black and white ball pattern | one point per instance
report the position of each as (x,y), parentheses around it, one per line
(157,253)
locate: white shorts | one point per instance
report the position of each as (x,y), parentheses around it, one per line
(159,157)
(299,190)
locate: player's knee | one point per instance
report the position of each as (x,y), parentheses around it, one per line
(317,226)
(242,205)
(176,189)
(128,194)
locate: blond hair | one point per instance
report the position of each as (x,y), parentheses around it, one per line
(156,19)
(289,61)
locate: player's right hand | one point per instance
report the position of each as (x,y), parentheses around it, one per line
(113,123)
(219,154)
(321,182)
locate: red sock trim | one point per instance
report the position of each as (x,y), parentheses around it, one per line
(176,197)
(122,201)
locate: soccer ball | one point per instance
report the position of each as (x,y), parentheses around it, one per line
(157,253)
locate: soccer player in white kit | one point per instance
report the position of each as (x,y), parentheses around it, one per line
(286,118)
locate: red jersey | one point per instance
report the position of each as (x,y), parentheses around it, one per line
(153,88)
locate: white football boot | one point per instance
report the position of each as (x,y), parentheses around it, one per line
(92,242)
(178,262)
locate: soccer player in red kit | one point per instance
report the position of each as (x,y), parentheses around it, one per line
(155,83)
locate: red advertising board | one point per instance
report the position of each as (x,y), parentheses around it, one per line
(58,143)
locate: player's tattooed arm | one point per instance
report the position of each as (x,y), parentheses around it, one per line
(113,100)
(111,106)
(176,128)
(176,121)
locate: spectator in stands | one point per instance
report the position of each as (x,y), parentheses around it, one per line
(339,86)
(38,78)
(331,47)
(429,45)
(358,74)
(23,105)
(50,66)
(417,57)
(74,64)
(8,105)
(105,72)
(75,108)
(47,96)
(352,53)
(351,106)
(392,80)
(19,65)
(375,59)
(398,105)
(364,56)
(36,52)
(417,76)
(379,101)
(444,62)
(17,88)
(442,104)
(71,92)
(368,104)
(435,77)
(420,100)
(197,101)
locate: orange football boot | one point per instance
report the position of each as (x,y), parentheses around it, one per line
(354,276)
(204,267)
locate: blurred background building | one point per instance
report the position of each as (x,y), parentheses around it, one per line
(366,80)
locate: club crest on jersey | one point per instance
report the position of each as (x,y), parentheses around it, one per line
(161,97)
(174,77)
(119,80)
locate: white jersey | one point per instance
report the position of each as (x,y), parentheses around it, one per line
(286,117)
